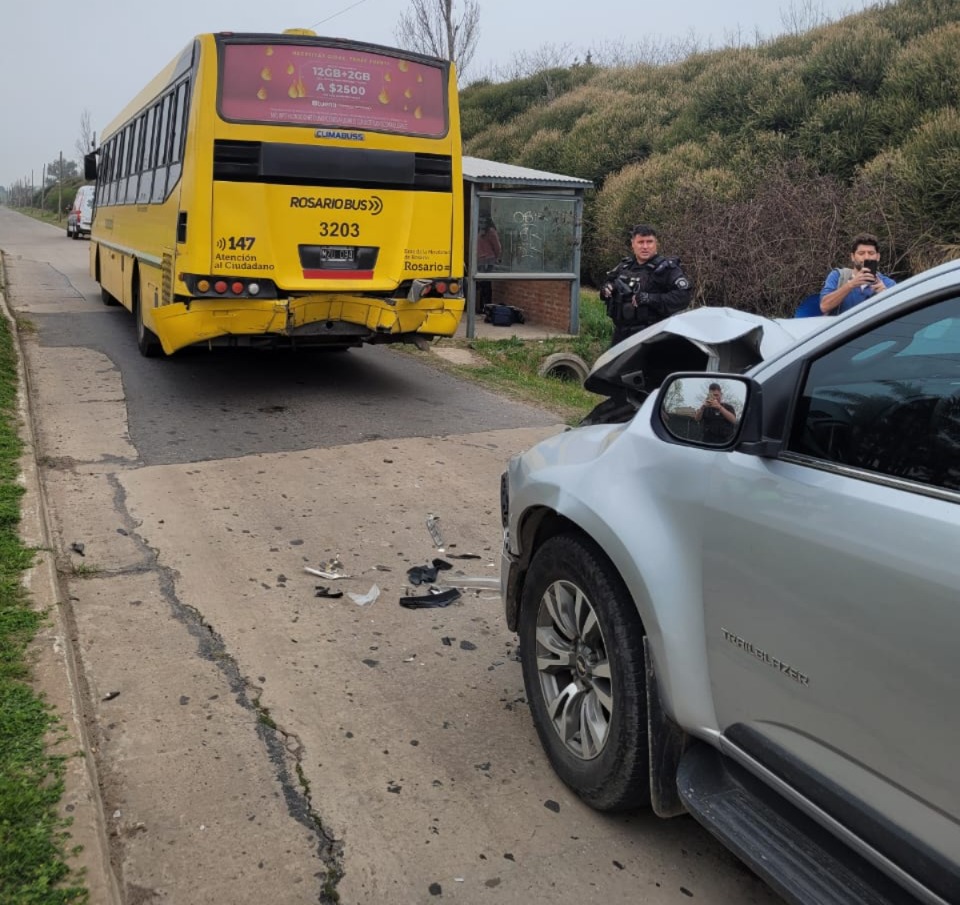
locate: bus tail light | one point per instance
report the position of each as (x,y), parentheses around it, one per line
(206,286)
(421,289)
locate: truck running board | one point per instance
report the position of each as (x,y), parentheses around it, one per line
(797,857)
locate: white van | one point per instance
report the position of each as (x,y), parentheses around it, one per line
(81,213)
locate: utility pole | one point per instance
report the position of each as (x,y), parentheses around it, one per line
(60,190)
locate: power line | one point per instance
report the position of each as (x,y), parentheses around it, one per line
(334,16)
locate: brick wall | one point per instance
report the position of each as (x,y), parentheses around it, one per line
(544,302)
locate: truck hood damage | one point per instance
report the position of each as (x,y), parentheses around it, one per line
(701,339)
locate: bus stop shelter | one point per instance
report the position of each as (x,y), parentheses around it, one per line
(539,220)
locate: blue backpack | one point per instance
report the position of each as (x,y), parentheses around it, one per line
(809,307)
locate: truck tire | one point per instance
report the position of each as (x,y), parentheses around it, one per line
(581,649)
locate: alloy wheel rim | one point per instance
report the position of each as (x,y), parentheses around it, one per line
(574,669)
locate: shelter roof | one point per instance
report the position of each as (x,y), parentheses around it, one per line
(476,169)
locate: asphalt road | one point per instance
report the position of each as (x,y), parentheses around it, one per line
(251,741)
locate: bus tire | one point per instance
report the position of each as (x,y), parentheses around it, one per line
(147,341)
(106,298)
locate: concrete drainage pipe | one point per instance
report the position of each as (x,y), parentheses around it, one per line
(564,366)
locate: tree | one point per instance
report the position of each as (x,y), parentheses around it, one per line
(431,27)
(70,171)
(801,16)
(87,138)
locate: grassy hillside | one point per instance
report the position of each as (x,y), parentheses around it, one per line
(757,164)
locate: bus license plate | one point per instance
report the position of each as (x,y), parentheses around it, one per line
(337,253)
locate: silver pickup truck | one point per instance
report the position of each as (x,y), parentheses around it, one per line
(737,590)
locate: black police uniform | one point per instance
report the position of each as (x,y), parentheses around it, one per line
(716,428)
(642,294)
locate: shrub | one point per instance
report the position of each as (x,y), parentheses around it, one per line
(608,138)
(759,245)
(912,192)
(925,77)
(544,151)
(907,19)
(843,131)
(722,98)
(789,47)
(849,58)
(501,141)
(485,104)
(566,111)
(652,192)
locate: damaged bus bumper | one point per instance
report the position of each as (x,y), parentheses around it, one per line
(327,319)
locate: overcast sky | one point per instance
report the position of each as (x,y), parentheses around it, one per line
(59,59)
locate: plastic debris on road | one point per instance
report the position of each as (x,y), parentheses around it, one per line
(428,601)
(427,574)
(433,526)
(481,583)
(322,573)
(365,599)
(332,569)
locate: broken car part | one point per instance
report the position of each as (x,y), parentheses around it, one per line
(320,573)
(427,574)
(465,581)
(433,526)
(427,601)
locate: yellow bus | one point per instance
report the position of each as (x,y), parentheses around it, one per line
(288,189)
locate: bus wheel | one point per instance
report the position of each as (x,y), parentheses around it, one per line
(147,341)
(106,298)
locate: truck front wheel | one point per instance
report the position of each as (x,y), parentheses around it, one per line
(581,649)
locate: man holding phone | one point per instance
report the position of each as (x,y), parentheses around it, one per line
(718,417)
(845,287)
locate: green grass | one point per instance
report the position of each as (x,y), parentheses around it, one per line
(33,839)
(510,365)
(46,215)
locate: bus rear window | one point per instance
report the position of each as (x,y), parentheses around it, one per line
(329,86)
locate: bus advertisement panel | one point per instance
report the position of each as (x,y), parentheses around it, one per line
(325,86)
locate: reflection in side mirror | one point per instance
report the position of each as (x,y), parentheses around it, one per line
(703,410)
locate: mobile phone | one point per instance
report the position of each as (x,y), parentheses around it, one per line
(870,265)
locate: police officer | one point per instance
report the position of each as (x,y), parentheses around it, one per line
(644,287)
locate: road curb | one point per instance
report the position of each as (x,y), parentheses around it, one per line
(55,671)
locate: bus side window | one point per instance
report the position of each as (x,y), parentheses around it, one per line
(123,140)
(109,169)
(146,175)
(163,150)
(136,149)
(179,129)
